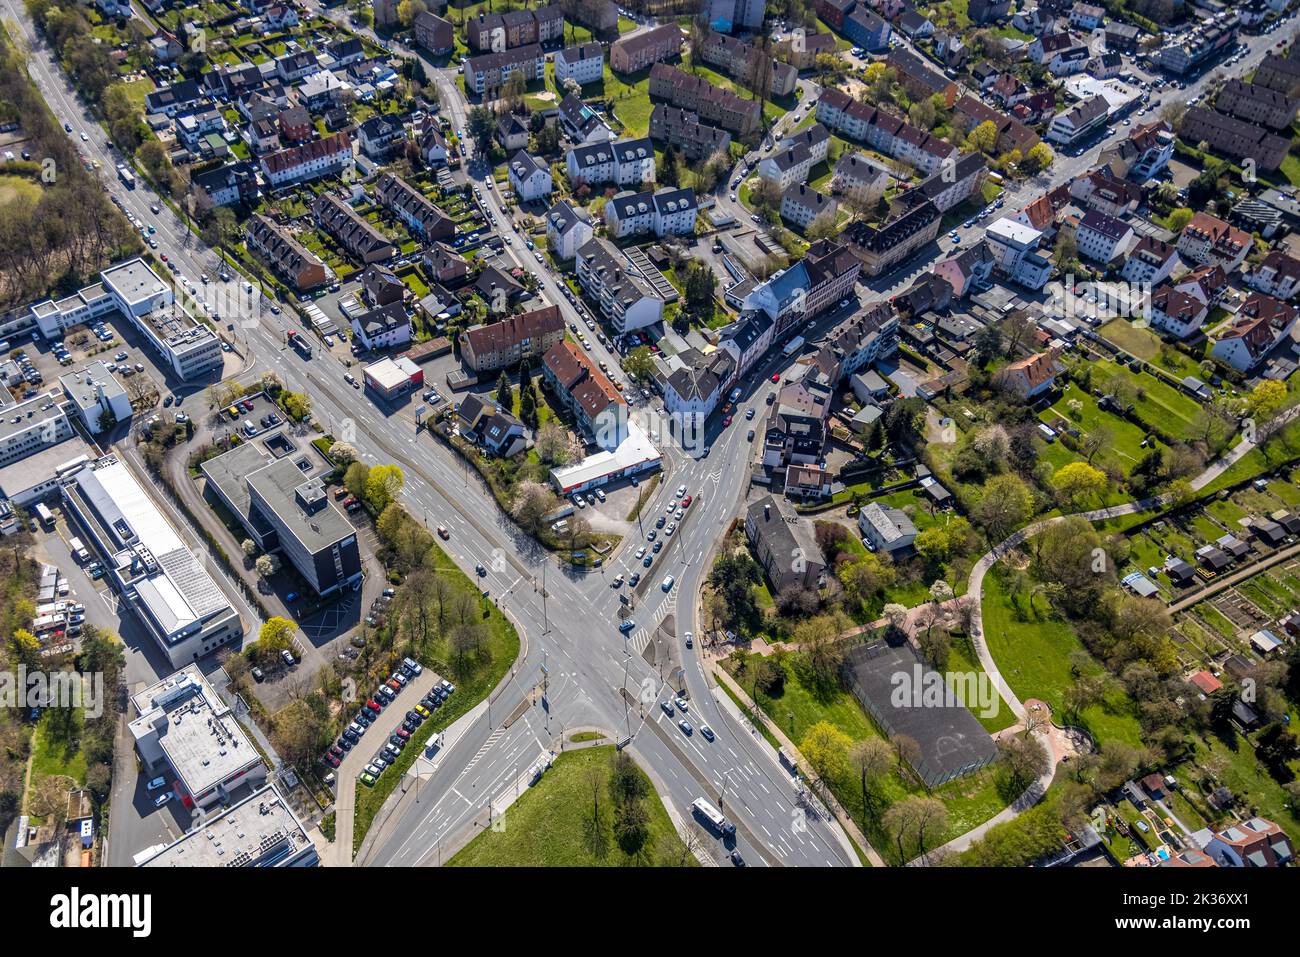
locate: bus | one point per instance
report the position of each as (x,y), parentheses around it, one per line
(713,817)
(126,176)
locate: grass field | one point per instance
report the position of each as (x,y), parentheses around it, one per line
(555,823)
(1126,448)
(14,187)
(1157,402)
(1033,655)
(1148,346)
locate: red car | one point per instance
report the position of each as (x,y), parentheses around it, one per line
(164,257)
(248,405)
(776,377)
(726,422)
(331,760)
(686,502)
(403,734)
(374,705)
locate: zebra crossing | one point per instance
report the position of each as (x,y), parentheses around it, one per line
(641,637)
(487,746)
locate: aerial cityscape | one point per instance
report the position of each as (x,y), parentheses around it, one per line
(821,433)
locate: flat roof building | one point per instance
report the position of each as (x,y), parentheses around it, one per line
(259,831)
(183,344)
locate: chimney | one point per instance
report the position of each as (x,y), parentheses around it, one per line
(767,513)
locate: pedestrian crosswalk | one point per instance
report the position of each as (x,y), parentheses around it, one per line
(641,637)
(487,746)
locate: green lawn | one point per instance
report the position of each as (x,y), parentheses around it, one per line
(555,823)
(1158,403)
(51,755)
(1033,655)
(1126,448)
(1149,347)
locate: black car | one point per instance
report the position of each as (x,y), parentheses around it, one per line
(346,743)
(397,741)
(430,701)
(737,859)
(414,716)
(363,718)
(409,726)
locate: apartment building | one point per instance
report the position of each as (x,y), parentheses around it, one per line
(638,51)
(859,178)
(881,247)
(568,229)
(503,345)
(826,274)
(969,112)
(1234,138)
(496,32)
(1014,247)
(328,156)
(529,177)
(625,298)
(1079,121)
(1280,73)
(1190,52)
(1150,261)
(801,205)
(667,212)
(710,103)
(747,64)
(919,78)
(682,129)
(584,63)
(290,260)
(352,232)
(1257,104)
(784,545)
(1207,240)
(433,34)
(619,162)
(1260,325)
(731,15)
(1176,313)
(1102,238)
(1277,276)
(597,407)
(485,75)
(883,131)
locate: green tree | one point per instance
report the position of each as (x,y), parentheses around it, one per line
(639,363)
(505,393)
(383,484)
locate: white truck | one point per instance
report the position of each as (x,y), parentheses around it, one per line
(793,346)
(713,817)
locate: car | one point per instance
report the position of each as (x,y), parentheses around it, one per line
(640,552)
(681,704)
(257,673)
(686,727)
(707,732)
(736,859)
(67,127)
(776,377)
(658,545)
(618,579)
(667,583)
(634,578)
(347,740)
(422,711)
(155,784)
(726,422)
(686,502)
(84,138)
(166,796)
(397,741)
(368,778)
(363,718)
(660,522)
(749,437)
(287,657)
(331,759)
(374,705)
(443,533)
(749,413)
(651,535)
(394,684)
(415,716)
(667,707)
(626,625)
(403,734)
(672,527)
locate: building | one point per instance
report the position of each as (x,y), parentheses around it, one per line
(879,248)
(638,51)
(485,423)
(434,34)
(381,137)
(1277,72)
(801,205)
(287,510)
(187,734)
(636,455)
(834,11)
(97,398)
(568,228)
(1256,104)
(1102,238)
(328,156)
(709,102)
(34,424)
(391,378)
(1176,313)
(159,576)
(783,545)
(625,298)
(802,53)
(1277,276)
(529,177)
(504,344)
(383,327)
(620,162)
(694,387)
(969,112)
(584,63)
(1254,843)
(859,178)
(512,133)
(948,187)
(1196,48)
(259,831)
(1014,247)
(746,64)
(667,212)
(485,75)
(432,143)
(445,265)
(1143,155)
(919,78)
(225,186)
(682,129)
(413,208)
(1207,241)
(1260,325)
(970,269)
(356,235)
(190,349)
(887,528)
(288,258)
(884,131)
(1233,138)
(796,157)
(826,274)
(1150,261)
(1122,37)
(747,339)
(1030,377)
(516,28)
(1079,121)
(581,123)
(598,408)
(867,29)
(730,15)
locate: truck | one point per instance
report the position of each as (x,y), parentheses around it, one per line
(126,176)
(78,550)
(712,817)
(793,346)
(299,342)
(44,516)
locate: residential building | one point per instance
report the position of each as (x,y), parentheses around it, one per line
(801,205)
(859,178)
(433,145)
(381,287)
(1257,842)
(969,112)
(619,162)
(1191,51)
(598,408)
(1030,377)
(888,529)
(225,186)
(445,265)
(682,129)
(357,236)
(529,177)
(747,339)
(290,260)
(512,133)
(879,248)
(413,208)
(827,273)
(883,131)
(568,229)
(950,186)
(1102,238)
(919,78)
(584,63)
(1207,240)
(1256,104)
(487,424)
(625,298)
(1234,138)
(802,53)
(581,123)
(1086,16)
(669,211)
(709,102)
(730,15)
(383,327)
(784,546)
(858,342)
(1260,325)
(486,74)
(1150,261)
(504,344)
(381,137)
(988,11)
(1277,72)
(328,156)
(505,31)
(1277,276)
(747,64)
(834,11)
(1079,121)
(696,387)
(638,51)
(433,34)
(1014,247)
(970,269)
(1143,155)
(1176,313)
(1122,37)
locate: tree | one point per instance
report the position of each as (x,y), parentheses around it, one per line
(827,749)
(1024,758)
(248,547)
(344,453)
(1265,399)
(698,289)
(383,484)
(667,167)
(1039,157)
(913,820)
(480,126)
(355,478)
(1078,482)
(1006,504)
(872,759)
(505,394)
(819,644)
(824,226)
(982,138)
(552,444)
(988,345)
(297,405)
(896,615)
(1178,219)
(275,636)
(408,10)
(267,565)
(531,503)
(639,363)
